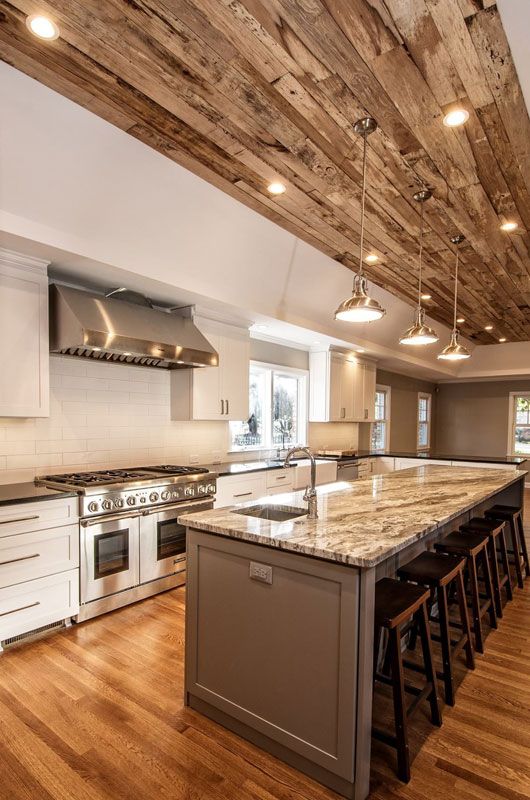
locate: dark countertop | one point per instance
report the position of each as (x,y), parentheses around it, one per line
(11,493)
(242,467)
(443,457)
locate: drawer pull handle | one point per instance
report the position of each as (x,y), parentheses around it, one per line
(243,494)
(179,560)
(18,519)
(16,560)
(22,608)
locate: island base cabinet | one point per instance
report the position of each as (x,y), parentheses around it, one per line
(278,649)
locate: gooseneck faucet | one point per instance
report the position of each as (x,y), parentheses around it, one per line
(310,492)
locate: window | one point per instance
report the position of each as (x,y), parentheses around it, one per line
(278,410)
(380,434)
(424,421)
(519,443)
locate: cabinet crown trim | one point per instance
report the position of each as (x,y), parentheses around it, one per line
(10,258)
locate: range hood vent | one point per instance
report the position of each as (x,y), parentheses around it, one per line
(88,325)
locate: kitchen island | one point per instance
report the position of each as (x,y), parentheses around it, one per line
(279,627)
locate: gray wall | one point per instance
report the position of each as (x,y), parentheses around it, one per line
(472,418)
(272,353)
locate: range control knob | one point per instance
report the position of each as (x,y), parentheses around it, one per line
(153,497)
(92,506)
(143,499)
(189,491)
(165,495)
(211,488)
(131,501)
(118,502)
(202,489)
(107,505)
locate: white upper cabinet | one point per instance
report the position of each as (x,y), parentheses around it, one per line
(221,392)
(341,388)
(24,348)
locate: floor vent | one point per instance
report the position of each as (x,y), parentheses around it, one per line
(34,634)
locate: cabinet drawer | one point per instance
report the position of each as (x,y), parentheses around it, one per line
(279,477)
(25,517)
(36,603)
(25,556)
(240,489)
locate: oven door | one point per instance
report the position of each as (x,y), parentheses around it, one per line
(109,555)
(163,540)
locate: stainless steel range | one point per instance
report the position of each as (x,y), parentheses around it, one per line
(131,543)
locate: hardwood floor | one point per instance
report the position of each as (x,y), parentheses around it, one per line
(95,713)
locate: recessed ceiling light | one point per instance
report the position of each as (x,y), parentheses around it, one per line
(488,327)
(461,319)
(426,297)
(360,350)
(456,117)
(43,27)
(371,258)
(276,188)
(509,226)
(502,339)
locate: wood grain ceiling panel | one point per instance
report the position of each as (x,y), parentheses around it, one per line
(245,91)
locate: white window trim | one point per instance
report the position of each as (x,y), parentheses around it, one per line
(303,409)
(427,396)
(388,389)
(510,450)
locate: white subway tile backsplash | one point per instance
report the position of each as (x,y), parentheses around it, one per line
(103,415)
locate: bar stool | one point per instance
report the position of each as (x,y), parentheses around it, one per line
(395,603)
(438,571)
(473,546)
(513,515)
(496,531)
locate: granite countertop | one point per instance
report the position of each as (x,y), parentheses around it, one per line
(442,456)
(242,467)
(12,493)
(364,522)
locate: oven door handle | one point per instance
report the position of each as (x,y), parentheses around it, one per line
(87,523)
(185,507)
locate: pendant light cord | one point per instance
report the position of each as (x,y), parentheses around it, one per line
(456,289)
(363,201)
(421,254)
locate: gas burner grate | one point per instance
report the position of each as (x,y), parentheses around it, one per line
(95,478)
(174,469)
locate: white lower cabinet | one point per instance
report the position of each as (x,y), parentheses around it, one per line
(39,565)
(484,465)
(233,489)
(384,464)
(326,473)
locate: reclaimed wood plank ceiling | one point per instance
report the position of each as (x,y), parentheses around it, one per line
(243,92)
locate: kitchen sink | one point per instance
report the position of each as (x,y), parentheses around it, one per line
(274,513)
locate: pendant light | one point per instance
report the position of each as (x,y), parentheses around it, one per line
(419,332)
(360,307)
(455,351)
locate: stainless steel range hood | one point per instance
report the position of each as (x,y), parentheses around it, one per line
(102,328)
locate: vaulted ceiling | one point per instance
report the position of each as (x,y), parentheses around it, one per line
(243,92)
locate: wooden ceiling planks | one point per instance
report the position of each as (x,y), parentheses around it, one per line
(245,91)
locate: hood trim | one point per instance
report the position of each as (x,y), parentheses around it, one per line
(88,325)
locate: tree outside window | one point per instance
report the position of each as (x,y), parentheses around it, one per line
(520,429)
(380,432)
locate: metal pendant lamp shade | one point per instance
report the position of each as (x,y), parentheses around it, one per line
(455,351)
(419,332)
(360,307)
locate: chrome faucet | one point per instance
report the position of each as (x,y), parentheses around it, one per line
(310,492)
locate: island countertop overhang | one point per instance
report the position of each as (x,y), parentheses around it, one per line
(364,522)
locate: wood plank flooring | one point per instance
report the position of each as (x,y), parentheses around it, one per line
(95,713)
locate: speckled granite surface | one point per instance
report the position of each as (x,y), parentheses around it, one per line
(366,521)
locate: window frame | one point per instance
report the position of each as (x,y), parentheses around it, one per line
(302,375)
(387,419)
(512,424)
(424,396)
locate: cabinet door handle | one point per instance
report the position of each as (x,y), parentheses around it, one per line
(18,519)
(16,560)
(22,608)
(243,494)
(227,406)
(222,407)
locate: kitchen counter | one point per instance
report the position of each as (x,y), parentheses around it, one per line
(280,615)
(12,493)
(364,522)
(441,457)
(242,467)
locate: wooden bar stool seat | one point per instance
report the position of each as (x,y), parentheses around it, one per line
(395,603)
(474,547)
(438,571)
(519,550)
(496,531)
